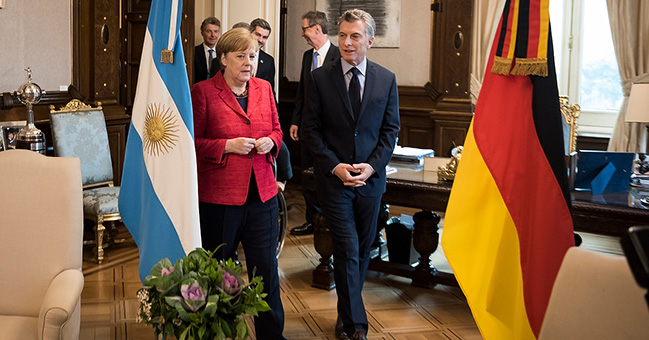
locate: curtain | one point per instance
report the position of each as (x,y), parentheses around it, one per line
(485,18)
(630,29)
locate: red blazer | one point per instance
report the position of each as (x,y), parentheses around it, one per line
(225,178)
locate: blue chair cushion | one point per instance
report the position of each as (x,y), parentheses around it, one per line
(100,201)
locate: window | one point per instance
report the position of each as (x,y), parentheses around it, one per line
(587,68)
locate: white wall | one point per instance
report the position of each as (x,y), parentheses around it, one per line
(36,34)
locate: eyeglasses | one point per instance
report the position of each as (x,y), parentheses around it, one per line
(306,28)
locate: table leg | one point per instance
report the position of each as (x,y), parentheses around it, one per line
(323,274)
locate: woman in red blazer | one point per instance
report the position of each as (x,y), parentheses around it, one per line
(237,134)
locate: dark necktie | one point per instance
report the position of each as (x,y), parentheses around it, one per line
(355,92)
(210,60)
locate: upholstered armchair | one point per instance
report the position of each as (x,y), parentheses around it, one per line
(78,130)
(41,236)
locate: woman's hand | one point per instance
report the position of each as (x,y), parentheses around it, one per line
(240,145)
(264,145)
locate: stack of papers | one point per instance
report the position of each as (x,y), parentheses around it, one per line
(411,155)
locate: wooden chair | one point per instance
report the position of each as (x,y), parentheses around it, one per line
(79,130)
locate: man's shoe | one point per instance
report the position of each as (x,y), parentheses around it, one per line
(359,335)
(341,334)
(340,330)
(305,229)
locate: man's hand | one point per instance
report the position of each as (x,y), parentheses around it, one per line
(366,170)
(239,145)
(293,132)
(350,176)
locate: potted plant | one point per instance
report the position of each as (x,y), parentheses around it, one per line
(199,297)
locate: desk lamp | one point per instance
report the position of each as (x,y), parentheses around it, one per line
(638,111)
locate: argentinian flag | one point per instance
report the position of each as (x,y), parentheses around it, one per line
(159,193)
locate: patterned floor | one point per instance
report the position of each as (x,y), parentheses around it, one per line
(395,309)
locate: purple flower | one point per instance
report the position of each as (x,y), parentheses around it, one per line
(193,295)
(230,284)
(167,271)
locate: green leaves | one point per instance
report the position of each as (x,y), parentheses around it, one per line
(192,301)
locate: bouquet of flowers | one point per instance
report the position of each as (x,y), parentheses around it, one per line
(199,297)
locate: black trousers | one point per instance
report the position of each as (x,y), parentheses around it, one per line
(254,224)
(306,161)
(352,219)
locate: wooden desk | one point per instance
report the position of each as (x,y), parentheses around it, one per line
(611,213)
(605,214)
(409,188)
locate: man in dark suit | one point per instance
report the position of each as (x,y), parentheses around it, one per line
(205,53)
(265,68)
(314,31)
(350,124)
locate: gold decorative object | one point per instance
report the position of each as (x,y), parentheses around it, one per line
(446,173)
(160,130)
(570,115)
(75,105)
(167,56)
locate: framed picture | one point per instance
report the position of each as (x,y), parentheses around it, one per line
(386,14)
(2,3)
(8,132)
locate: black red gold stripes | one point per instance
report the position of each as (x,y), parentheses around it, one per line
(523,38)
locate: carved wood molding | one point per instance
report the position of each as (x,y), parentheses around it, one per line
(10,101)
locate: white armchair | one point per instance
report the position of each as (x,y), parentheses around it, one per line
(595,297)
(41,244)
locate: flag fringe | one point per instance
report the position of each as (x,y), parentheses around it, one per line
(531,66)
(502,65)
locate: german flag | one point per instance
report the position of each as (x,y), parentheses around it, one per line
(508,223)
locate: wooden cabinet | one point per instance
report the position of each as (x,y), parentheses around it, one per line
(117,124)
(96,32)
(135,14)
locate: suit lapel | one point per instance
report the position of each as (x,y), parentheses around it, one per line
(261,66)
(254,96)
(370,79)
(339,81)
(226,94)
(307,62)
(331,54)
(200,55)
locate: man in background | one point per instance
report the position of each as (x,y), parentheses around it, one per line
(314,31)
(205,53)
(265,63)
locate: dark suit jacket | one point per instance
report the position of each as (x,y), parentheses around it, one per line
(307,61)
(266,68)
(223,178)
(332,134)
(200,64)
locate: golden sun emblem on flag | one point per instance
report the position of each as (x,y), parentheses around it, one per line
(160,130)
